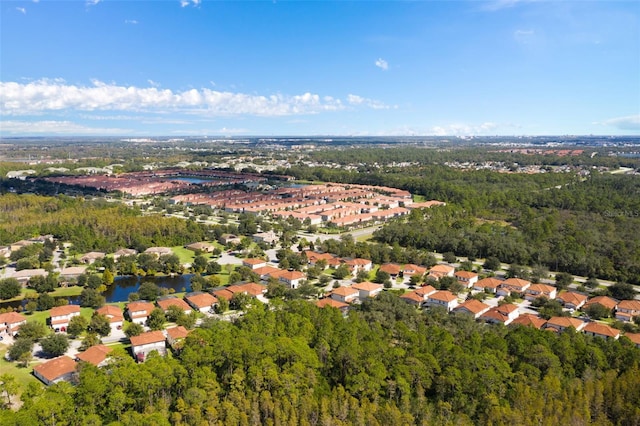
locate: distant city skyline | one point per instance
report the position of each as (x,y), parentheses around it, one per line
(304,68)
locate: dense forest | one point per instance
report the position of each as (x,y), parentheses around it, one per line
(386,364)
(567,224)
(92,224)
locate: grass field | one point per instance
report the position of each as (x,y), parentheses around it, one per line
(419,198)
(23,375)
(185,255)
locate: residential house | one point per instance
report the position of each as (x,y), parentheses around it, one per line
(254,263)
(392,269)
(605,301)
(572,300)
(145,343)
(229,239)
(627,310)
(176,336)
(266,272)
(252,289)
(96,355)
(203,246)
(124,253)
(563,323)
(466,278)
(25,275)
(503,314)
(91,257)
(72,272)
(418,296)
(292,278)
(344,294)
(367,289)
(167,302)
(202,302)
(472,307)
(358,264)
(56,370)
(529,320)
(138,312)
(269,237)
(540,290)
(327,301)
(410,270)
(61,315)
(10,322)
(442,298)
(635,338)
(114,314)
(442,270)
(596,329)
(490,285)
(159,251)
(517,285)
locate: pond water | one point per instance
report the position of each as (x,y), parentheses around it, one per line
(125,285)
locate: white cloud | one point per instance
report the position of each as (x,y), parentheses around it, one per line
(21,10)
(382,64)
(131,21)
(495,5)
(93,2)
(54,127)
(371,103)
(629,122)
(185,3)
(464,129)
(41,96)
(523,36)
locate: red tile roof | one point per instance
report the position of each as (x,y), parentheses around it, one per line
(474,306)
(178,332)
(601,329)
(605,301)
(95,354)
(345,291)
(327,301)
(55,368)
(631,305)
(367,286)
(488,283)
(390,268)
(146,338)
(11,318)
(202,300)
(565,322)
(572,297)
(443,295)
(59,311)
(530,320)
(465,274)
(173,301)
(112,312)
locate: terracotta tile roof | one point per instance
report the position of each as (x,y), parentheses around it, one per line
(465,274)
(254,261)
(473,306)
(345,291)
(292,275)
(390,268)
(572,297)
(565,322)
(95,354)
(250,288)
(425,290)
(634,337)
(178,332)
(443,295)
(443,269)
(55,368)
(541,288)
(327,301)
(358,261)
(59,311)
(601,329)
(630,305)
(507,308)
(147,307)
(223,294)
(173,301)
(605,301)
(493,314)
(202,300)
(11,318)
(264,270)
(112,312)
(146,338)
(367,286)
(530,320)
(410,268)
(488,283)
(413,296)
(516,283)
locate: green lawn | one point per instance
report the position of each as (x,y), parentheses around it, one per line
(28,293)
(419,198)
(42,316)
(23,375)
(185,255)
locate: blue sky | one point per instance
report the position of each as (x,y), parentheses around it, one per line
(171,67)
